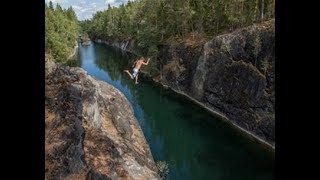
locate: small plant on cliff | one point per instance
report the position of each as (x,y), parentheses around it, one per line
(226,47)
(265,65)
(153,67)
(257,48)
(163,169)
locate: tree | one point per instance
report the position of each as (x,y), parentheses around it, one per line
(260,11)
(61,32)
(71,14)
(152,22)
(51,5)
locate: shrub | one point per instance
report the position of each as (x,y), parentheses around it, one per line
(163,169)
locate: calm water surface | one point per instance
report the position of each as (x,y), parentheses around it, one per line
(194,143)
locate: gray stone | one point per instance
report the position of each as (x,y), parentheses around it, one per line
(91,131)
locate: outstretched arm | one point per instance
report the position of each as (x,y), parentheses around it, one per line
(146,62)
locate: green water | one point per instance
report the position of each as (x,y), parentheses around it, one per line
(194,143)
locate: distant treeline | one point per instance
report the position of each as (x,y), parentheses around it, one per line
(152,21)
(62,31)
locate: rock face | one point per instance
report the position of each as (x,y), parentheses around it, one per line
(232,74)
(126,45)
(90,130)
(74,52)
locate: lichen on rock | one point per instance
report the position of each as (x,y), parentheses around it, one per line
(90,130)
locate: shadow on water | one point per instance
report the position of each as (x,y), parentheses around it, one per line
(194,143)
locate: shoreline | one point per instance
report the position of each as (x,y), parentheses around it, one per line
(220,115)
(251,136)
(75,49)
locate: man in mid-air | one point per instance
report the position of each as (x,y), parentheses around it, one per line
(137,65)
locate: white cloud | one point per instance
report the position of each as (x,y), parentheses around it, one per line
(116,3)
(58,1)
(75,7)
(110,2)
(86,8)
(93,4)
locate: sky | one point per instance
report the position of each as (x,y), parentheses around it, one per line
(86,8)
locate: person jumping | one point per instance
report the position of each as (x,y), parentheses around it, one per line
(137,65)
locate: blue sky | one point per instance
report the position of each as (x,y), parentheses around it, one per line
(86,8)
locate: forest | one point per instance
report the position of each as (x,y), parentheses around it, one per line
(61,31)
(152,22)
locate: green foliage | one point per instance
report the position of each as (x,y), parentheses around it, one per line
(62,31)
(163,169)
(257,48)
(226,47)
(149,21)
(152,22)
(265,66)
(152,68)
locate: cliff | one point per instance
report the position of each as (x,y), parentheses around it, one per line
(90,130)
(73,55)
(125,45)
(232,74)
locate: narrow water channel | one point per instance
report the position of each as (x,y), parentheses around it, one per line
(194,143)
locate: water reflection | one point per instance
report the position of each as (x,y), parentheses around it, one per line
(195,144)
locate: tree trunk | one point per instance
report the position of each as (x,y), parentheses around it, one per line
(260,11)
(217,26)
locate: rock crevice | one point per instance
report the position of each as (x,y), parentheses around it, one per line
(91,132)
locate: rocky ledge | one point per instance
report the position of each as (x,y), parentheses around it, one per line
(233,74)
(90,130)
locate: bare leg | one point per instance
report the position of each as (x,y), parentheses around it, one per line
(128,73)
(137,79)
